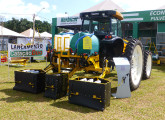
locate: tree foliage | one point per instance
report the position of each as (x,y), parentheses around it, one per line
(23,24)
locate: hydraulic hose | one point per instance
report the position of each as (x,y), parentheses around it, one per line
(68,33)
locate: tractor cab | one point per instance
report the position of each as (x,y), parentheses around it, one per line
(102,23)
(106,26)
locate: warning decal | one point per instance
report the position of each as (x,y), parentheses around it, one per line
(87,43)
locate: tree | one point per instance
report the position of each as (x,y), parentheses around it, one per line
(23,24)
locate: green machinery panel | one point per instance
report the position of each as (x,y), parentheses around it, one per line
(161,27)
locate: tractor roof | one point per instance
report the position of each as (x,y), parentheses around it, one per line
(101,15)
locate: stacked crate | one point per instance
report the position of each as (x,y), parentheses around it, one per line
(33,82)
(56,85)
(94,94)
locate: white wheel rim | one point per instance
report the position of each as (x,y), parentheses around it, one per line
(149,65)
(136,65)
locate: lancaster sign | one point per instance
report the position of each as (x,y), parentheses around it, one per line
(145,16)
(15,50)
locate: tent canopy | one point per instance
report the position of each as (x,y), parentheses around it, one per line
(162,7)
(105,5)
(29,33)
(6,32)
(45,35)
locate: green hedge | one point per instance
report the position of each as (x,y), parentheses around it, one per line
(3,52)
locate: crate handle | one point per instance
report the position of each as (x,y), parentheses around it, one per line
(31,83)
(94,97)
(77,93)
(52,86)
(17,81)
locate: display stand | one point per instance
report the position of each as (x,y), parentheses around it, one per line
(123,69)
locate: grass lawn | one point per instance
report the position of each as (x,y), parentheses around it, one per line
(147,102)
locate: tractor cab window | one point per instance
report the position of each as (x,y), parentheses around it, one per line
(102,28)
(90,26)
(95,27)
(119,29)
(114,27)
(85,27)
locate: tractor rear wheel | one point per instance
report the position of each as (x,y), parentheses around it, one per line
(147,65)
(134,53)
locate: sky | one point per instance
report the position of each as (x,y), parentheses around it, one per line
(45,10)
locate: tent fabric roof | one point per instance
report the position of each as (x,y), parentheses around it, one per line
(29,33)
(45,35)
(162,7)
(105,5)
(6,32)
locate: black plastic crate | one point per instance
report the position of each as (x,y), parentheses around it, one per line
(30,82)
(56,85)
(90,94)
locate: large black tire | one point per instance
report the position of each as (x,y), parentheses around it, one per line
(147,64)
(134,53)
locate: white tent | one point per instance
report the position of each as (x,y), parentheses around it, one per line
(6,32)
(104,5)
(162,7)
(9,36)
(46,35)
(39,37)
(29,33)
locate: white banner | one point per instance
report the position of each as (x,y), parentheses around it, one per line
(65,21)
(16,50)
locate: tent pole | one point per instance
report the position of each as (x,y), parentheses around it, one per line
(8,68)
